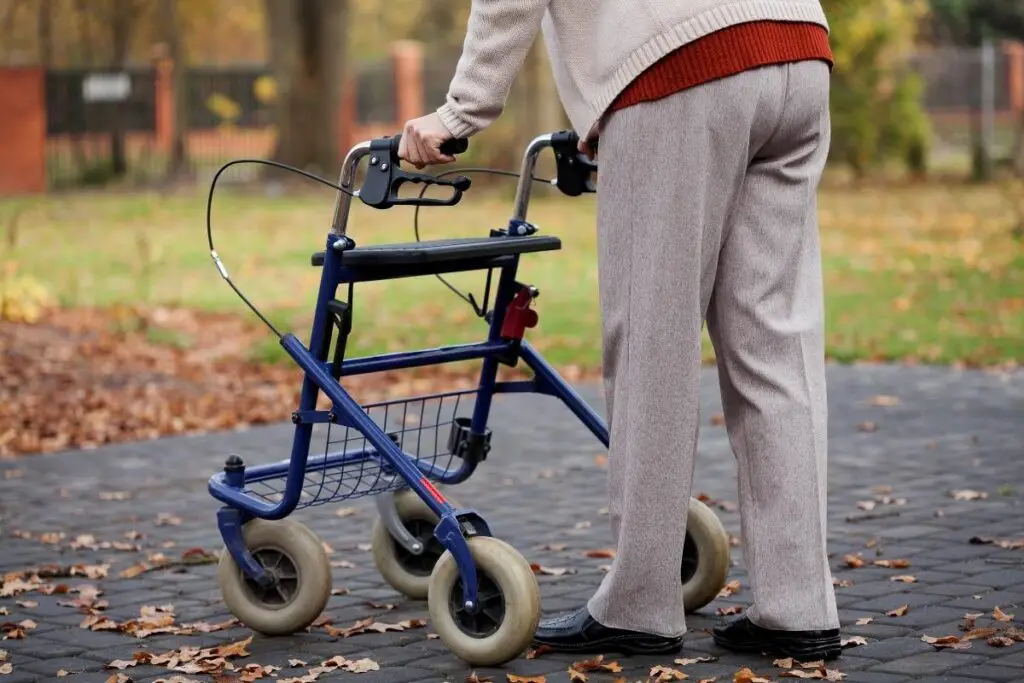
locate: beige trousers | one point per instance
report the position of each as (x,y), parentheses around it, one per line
(707,212)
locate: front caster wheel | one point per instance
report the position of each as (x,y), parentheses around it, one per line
(508,604)
(296,558)
(705,557)
(406,572)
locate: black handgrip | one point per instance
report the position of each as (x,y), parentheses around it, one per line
(451,147)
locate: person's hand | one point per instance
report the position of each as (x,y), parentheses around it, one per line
(588,147)
(422,139)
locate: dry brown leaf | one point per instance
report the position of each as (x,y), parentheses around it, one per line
(717,420)
(533,653)
(339,591)
(892,564)
(115,495)
(6,668)
(375,605)
(864,620)
(904,578)
(745,675)
(597,664)
(346,512)
(603,554)
(1014,634)
(979,633)
(165,519)
(852,641)
(27,604)
(899,611)
(728,611)
(61,673)
(786,663)
(577,676)
(885,401)
(947,642)
(969,620)
(867,427)
(665,674)
(550,571)
(842,583)
(512,678)
(121,664)
(853,561)
(119,678)
(968,494)
(730,588)
(866,505)
(1000,615)
(342,564)
(472,677)
(1000,641)
(296,662)
(358,666)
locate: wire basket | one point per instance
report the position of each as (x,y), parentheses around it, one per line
(350,467)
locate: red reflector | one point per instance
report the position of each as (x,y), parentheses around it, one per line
(433,491)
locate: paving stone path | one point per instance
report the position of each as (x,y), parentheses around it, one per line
(543,484)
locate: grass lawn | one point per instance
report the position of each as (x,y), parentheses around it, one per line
(927,272)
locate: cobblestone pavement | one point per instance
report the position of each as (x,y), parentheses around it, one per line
(542,485)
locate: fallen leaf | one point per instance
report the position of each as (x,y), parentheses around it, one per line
(978,633)
(1014,634)
(867,427)
(842,583)
(904,578)
(577,676)
(512,678)
(378,605)
(358,666)
(717,420)
(115,495)
(864,620)
(119,678)
(597,664)
(664,674)
(51,538)
(533,653)
(730,588)
(556,547)
(852,641)
(339,591)
(6,668)
(745,675)
(695,660)
(604,554)
(550,571)
(164,519)
(27,604)
(134,570)
(899,611)
(296,662)
(582,525)
(884,401)
(786,663)
(892,564)
(61,673)
(728,611)
(472,677)
(1000,641)
(853,561)
(947,642)
(346,512)
(1000,615)
(866,504)
(968,494)
(342,564)
(121,664)
(601,460)
(969,620)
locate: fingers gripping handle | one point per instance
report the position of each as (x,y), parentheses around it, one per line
(385,176)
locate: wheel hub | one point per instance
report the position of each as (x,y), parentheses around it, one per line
(421,564)
(284,574)
(691,560)
(486,619)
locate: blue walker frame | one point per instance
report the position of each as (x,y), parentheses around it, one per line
(229,486)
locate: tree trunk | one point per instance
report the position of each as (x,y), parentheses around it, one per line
(981,167)
(308,42)
(45,29)
(172,36)
(120,29)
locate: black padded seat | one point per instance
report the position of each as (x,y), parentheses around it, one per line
(441,251)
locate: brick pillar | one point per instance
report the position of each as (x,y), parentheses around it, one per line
(408,60)
(164,100)
(22,131)
(1015,56)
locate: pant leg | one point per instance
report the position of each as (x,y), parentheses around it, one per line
(766,320)
(670,171)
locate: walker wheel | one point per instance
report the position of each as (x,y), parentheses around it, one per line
(407,573)
(296,558)
(706,557)
(508,604)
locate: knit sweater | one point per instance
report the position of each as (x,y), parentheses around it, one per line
(597,48)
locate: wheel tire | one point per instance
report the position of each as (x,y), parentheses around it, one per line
(407,573)
(300,554)
(707,539)
(498,565)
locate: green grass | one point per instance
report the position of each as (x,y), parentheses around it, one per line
(927,272)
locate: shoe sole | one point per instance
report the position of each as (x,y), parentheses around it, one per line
(803,650)
(638,647)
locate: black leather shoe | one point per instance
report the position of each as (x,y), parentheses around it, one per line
(741,635)
(580,632)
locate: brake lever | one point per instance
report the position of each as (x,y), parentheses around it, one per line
(575,169)
(385,176)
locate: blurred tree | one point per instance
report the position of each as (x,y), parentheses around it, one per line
(307,50)
(171,23)
(121,17)
(876,99)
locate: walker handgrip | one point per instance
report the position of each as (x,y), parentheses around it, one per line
(451,147)
(385,176)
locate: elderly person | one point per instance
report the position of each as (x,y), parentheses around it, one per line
(714,128)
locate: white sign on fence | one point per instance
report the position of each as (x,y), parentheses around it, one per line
(106,87)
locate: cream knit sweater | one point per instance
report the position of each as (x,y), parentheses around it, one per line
(597,47)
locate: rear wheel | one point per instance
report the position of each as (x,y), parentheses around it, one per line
(706,557)
(407,572)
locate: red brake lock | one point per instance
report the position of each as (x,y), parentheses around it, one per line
(519,315)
